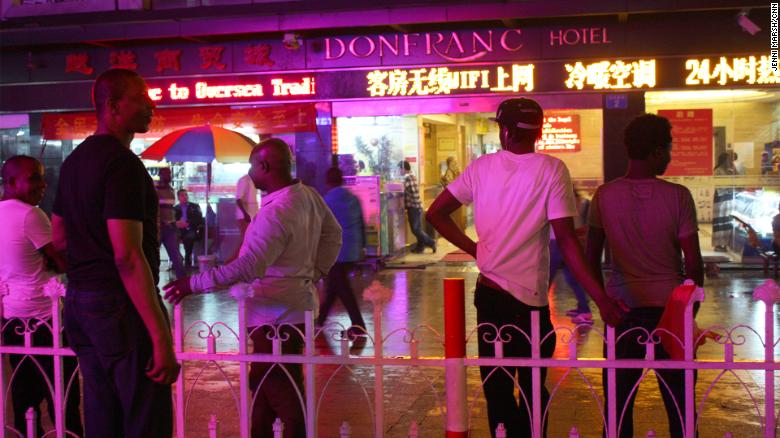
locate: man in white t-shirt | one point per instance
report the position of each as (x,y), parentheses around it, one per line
(27,250)
(517,195)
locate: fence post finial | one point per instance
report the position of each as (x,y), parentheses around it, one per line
(345,431)
(278,428)
(413,430)
(213,426)
(30,416)
(500,431)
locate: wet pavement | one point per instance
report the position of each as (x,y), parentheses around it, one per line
(416,394)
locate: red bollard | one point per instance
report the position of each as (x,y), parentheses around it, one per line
(455,352)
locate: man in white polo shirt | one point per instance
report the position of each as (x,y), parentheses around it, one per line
(517,195)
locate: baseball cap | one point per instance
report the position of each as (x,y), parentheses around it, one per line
(520,112)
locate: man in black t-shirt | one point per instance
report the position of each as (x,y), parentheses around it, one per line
(105,214)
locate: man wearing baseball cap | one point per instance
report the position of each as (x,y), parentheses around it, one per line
(517,195)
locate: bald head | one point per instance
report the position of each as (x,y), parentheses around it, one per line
(271,165)
(276,153)
(17,165)
(23,179)
(111,85)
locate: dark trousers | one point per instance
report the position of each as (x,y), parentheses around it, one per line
(338,286)
(29,388)
(628,347)
(114,350)
(169,237)
(188,239)
(415,223)
(277,396)
(499,308)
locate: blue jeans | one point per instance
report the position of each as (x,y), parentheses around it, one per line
(114,350)
(415,223)
(556,264)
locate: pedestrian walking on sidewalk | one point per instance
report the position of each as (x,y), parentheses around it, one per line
(517,195)
(346,208)
(414,210)
(649,225)
(291,243)
(105,214)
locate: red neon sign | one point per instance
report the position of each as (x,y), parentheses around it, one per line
(204,91)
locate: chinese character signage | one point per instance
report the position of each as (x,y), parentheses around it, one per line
(560,133)
(606,75)
(442,80)
(691,142)
(750,70)
(266,120)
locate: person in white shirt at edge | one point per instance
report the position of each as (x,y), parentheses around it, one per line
(246,207)
(288,247)
(517,195)
(27,249)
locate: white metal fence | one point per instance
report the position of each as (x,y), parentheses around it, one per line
(214,356)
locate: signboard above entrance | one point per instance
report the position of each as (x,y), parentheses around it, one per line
(560,133)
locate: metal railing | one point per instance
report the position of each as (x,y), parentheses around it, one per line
(454,400)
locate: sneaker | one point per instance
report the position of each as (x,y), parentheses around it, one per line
(583,318)
(354,332)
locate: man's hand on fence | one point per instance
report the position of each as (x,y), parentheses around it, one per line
(176,290)
(612,311)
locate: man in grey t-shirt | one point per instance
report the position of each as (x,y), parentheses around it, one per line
(647,222)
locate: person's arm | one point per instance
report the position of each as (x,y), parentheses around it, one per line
(688,236)
(196,220)
(241,192)
(574,258)
(38,229)
(694,264)
(329,244)
(438,215)
(594,251)
(58,238)
(126,240)
(363,242)
(241,207)
(58,258)
(262,250)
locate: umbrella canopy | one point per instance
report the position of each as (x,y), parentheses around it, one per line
(201,144)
